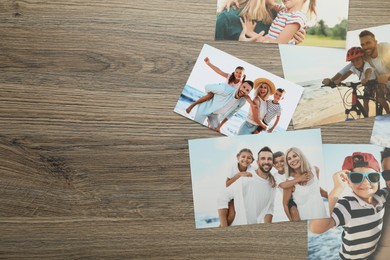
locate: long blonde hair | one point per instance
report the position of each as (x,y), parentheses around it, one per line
(256,10)
(257,90)
(311,9)
(305,165)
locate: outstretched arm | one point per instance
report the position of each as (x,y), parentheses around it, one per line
(206,97)
(290,183)
(215,68)
(236,177)
(340,180)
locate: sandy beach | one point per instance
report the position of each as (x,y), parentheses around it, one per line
(326,109)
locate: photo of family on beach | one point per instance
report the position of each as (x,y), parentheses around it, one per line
(359,226)
(381,131)
(341,84)
(294,22)
(234,97)
(254,179)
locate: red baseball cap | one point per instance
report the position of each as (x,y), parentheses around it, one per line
(358,159)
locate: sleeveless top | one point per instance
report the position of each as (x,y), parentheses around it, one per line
(261,112)
(308,199)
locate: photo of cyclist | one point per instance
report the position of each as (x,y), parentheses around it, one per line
(362,70)
(378,56)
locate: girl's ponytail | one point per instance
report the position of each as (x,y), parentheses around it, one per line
(232,78)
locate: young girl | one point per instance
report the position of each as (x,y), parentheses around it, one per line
(234,79)
(242,168)
(307,192)
(290,20)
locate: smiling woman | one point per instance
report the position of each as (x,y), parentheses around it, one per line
(303,186)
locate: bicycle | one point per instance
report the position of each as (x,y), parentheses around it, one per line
(355,106)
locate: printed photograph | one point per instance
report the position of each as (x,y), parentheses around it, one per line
(234,97)
(341,84)
(381,131)
(359,178)
(254,179)
(294,22)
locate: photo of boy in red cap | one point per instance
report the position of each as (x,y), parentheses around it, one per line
(360,214)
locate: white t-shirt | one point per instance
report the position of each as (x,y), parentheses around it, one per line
(379,67)
(234,85)
(361,74)
(279,215)
(225,108)
(253,199)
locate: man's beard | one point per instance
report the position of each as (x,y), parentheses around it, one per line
(263,170)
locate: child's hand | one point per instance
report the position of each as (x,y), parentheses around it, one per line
(271,180)
(245,174)
(340,179)
(304,178)
(207,60)
(326,81)
(270,130)
(364,81)
(299,36)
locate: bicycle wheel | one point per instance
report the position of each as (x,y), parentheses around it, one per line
(361,108)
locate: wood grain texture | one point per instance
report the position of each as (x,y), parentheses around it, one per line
(93,160)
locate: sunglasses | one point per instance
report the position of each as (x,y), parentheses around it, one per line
(358,177)
(386,175)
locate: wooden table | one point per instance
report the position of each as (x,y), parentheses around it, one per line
(93,160)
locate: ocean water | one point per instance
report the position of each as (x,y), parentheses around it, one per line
(325,246)
(381,131)
(230,128)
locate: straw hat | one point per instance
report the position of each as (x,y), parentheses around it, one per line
(271,85)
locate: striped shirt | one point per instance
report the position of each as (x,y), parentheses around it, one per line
(272,111)
(283,19)
(362,224)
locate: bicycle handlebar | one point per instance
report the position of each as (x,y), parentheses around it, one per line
(344,84)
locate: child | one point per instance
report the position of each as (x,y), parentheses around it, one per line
(290,20)
(242,168)
(360,68)
(273,109)
(234,79)
(280,178)
(361,213)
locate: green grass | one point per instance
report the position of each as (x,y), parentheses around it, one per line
(316,40)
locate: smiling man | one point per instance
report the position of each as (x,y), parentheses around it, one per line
(226,101)
(253,197)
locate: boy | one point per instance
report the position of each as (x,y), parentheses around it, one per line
(361,69)
(361,213)
(273,109)
(280,178)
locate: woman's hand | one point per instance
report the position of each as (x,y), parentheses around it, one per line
(248,29)
(229,3)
